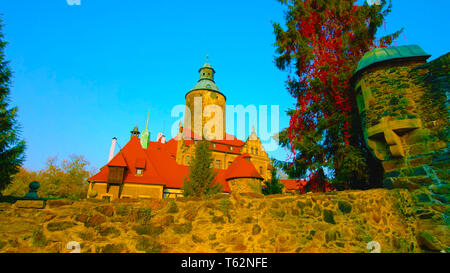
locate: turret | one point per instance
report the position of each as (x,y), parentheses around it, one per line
(145,135)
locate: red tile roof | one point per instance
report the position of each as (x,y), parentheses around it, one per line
(292,184)
(117,161)
(242,168)
(161,167)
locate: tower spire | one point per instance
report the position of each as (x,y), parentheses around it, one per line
(145,135)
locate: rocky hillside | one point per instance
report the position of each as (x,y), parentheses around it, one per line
(323,222)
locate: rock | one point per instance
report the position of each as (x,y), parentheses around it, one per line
(330,236)
(239,248)
(256,229)
(106,210)
(113,248)
(148,245)
(33,204)
(344,207)
(60,225)
(234,239)
(95,220)
(82,218)
(182,228)
(218,219)
(376,217)
(5,206)
(58,203)
(106,230)
(427,241)
(328,216)
(440,189)
(151,230)
(167,220)
(48,216)
(197,239)
(17,227)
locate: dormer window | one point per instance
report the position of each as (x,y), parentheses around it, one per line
(139,172)
(231,148)
(214,145)
(140,166)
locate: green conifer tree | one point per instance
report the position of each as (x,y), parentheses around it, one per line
(274,186)
(11,148)
(200,181)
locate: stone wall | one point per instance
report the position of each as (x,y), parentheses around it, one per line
(245,185)
(332,222)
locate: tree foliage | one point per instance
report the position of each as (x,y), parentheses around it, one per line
(201,179)
(67,180)
(320,48)
(274,186)
(11,147)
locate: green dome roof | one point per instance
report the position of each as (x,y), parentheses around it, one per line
(389,53)
(207,65)
(206,81)
(205,84)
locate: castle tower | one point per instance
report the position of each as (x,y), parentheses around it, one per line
(205,107)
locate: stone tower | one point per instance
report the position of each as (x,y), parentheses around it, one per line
(402,101)
(205,107)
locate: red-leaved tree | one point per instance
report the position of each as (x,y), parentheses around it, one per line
(320,48)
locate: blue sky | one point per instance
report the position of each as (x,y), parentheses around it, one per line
(84,74)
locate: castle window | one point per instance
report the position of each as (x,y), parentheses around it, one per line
(252,150)
(187,159)
(256,151)
(261,170)
(217,164)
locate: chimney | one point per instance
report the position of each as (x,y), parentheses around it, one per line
(113,146)
(161,138)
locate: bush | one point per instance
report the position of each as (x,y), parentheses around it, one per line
(173,208)
(67,180)
(144,215)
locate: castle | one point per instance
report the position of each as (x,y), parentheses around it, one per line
(156,169)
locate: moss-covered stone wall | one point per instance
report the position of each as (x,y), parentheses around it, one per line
(321,222)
